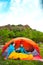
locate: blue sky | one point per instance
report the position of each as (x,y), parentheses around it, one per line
(4,5)
(22,12)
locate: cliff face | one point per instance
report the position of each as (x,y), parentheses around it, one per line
(14,26)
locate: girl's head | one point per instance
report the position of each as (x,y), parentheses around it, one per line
(13,43)
(21,45)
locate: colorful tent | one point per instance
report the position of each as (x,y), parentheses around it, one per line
(28,44)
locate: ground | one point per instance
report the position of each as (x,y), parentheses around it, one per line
(20,62)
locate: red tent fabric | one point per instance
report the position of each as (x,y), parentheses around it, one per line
(27,43)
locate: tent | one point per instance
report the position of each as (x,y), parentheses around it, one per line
(28,44)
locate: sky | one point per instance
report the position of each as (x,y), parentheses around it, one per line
(22,12)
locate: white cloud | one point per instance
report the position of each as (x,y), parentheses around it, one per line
(27,13)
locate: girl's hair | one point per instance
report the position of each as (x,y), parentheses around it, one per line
(12,43)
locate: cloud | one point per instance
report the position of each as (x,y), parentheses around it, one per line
(24,12)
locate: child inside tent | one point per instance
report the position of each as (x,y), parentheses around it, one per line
(10,49)
(21,49)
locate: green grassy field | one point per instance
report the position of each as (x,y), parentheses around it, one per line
(20,62)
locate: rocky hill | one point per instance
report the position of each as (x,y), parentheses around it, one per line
(12,31)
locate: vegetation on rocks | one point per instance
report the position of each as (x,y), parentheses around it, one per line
(12,31)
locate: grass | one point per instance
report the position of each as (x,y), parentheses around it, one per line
(41,49)
(21,62)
